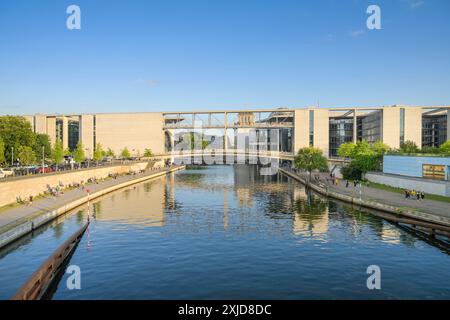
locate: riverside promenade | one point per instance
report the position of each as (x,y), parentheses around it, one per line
(21,219)
(426,210)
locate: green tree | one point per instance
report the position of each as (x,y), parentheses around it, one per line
(310,159)
(365,157)
(148,153)
(110,153)
(380,148)
(78,153)
(430,150)
(16,131)
(445,147)
(2,151)
(409,147)
(98,153)
(43,140)
(26,155)
(346,150)
(58,152)
(125,153)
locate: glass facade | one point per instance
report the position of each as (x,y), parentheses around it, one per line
(59,129)
(371,126)
(402,126)
(311,128)
(341,131)
(434,130)
(73,134)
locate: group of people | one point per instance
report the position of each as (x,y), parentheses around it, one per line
(413,194)
(356,183)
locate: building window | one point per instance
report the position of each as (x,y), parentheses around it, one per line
(311,128)
(431,171)
(59,129)
(94,131)
(402,126)
(74,134)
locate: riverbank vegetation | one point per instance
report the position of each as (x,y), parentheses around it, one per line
(310,159)
(363,157)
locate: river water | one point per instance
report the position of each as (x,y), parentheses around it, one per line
(226,232)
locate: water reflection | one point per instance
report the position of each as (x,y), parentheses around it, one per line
(227,232)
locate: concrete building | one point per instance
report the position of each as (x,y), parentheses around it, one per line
(324,128)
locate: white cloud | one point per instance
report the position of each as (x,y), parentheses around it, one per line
(415,3)
(356,33)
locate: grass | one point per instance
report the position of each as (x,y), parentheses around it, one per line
(402,191)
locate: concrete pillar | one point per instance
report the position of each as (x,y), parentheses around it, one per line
(390,127)
(301,129)
(40,124)
(355,127)
(65,133)
(87,132)
(413,125)
(322,130)
(51,129)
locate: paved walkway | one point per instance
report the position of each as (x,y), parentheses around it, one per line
(434,207)
(51,202)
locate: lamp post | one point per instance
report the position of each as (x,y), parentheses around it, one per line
(12,156)
(87,149)
(43,159)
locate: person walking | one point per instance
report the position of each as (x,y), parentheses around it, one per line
(422,195)
(346,184)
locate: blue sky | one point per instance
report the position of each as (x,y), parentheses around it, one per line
(182,55)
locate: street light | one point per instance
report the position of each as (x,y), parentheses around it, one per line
(12,156)
(87,149)
(43,159)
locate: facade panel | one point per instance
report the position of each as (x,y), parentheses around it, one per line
(136,131)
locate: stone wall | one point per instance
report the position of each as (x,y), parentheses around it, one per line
(35,185)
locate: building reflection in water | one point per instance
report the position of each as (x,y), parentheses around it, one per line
(144,205)
(244,192)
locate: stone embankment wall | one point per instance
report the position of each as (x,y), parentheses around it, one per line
(36,185)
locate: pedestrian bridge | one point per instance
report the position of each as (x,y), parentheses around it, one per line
(237,155)
(227,154)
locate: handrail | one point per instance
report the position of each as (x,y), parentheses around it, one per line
(38,284)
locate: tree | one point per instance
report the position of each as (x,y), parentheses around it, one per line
(43,140)
(125,153)
(365,157)
(445,147)
(2,151)
(380,148)
(58,152)
(310,159)
(409,147)
(347,150)
(98,153)
(110,153)
(148,153)
(78,153)
(26,155)
(430,150)
(16,131)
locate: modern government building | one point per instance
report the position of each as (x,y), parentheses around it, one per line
(324,128)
